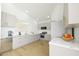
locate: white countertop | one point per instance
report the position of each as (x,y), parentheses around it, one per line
(31,34)
(60,42)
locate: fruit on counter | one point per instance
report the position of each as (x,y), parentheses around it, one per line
(68,37)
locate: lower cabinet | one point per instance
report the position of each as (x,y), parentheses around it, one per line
(61,48)
(20,41)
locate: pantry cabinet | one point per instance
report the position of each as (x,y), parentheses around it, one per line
(71,13)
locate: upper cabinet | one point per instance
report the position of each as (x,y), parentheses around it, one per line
(71,13)
(3,19)
(8,20)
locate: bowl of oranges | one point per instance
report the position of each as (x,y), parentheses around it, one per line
(67,37)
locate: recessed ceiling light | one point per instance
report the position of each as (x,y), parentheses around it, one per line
(27,11)
(48,16)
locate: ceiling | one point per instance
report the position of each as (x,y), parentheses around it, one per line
(40,11)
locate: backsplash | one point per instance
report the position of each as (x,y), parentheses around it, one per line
(77,34)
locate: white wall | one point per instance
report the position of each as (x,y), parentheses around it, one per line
(57,14)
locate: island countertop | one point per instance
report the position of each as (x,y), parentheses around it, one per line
(60,42)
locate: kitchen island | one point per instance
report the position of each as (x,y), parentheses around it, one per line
(59,47)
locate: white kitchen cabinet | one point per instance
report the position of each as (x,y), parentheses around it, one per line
(8,20)
(11,20)
(19,41)
(71,13)
(3,19)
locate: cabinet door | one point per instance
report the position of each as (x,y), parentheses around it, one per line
(11,20)
(3,19)
(8,20)
(73,13)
